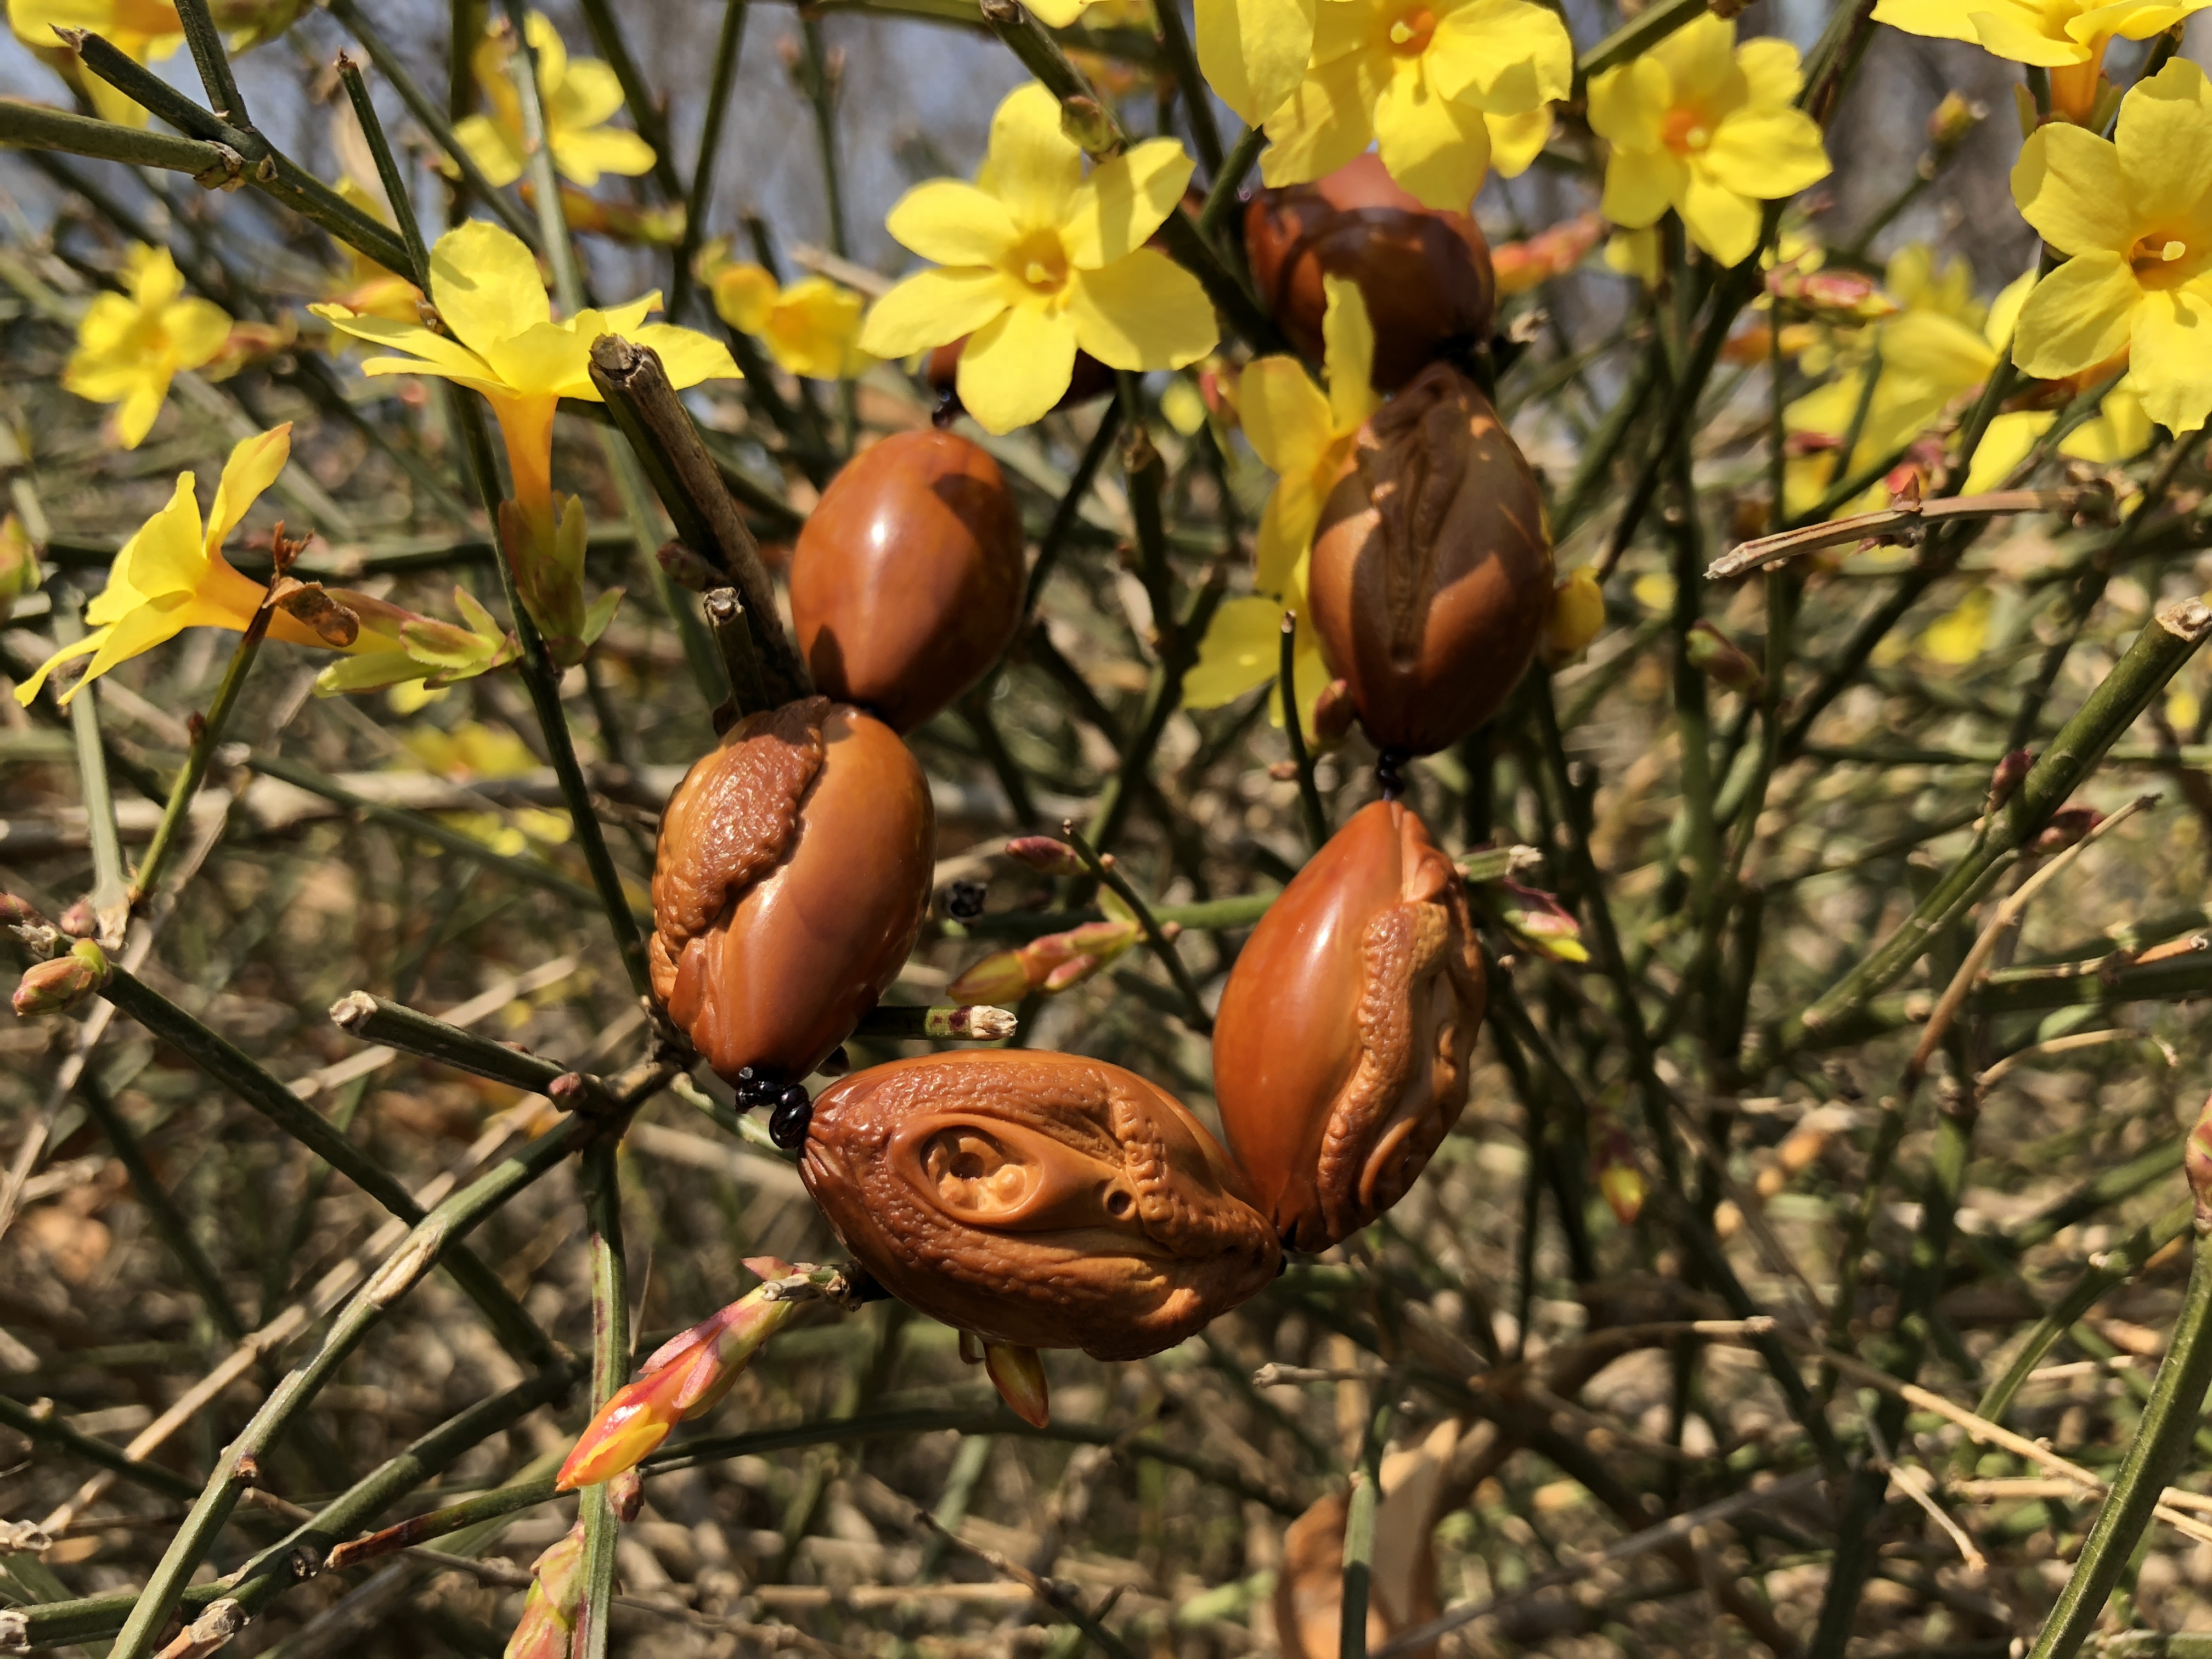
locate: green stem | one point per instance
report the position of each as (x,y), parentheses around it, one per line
(178,807)
(374,1019)
(259,162)
(1070,508)
(34,126)
(434,1234)
(820,97)
(1286,692)
(387,173)
(720,76)
(1359,1529)
(213,62)
(1228,178)
(1194,1014)
(2154,1457)
(42,1429)
(111,887)
(1636,36)
(226,1063)
(611,1363)
(1197,100)
(2168,642)
(645,112)
(432,120)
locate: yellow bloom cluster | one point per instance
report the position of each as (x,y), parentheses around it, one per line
(811,328)
(130,346)
(579,94)
(1035,259)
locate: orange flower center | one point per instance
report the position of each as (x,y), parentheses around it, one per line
(2163,259)
(1411,33)
(1038,263)
(1685,132)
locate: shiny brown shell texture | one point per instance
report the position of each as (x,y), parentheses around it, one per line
(1045,1199)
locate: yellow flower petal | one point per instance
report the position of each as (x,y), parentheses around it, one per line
(1508,56)
(2077,317)
(1242,650)
(1723,222)
(1032,166)
(1253,52)
(197,331)
(1940,19)
(1437,149)
(253,466)
(1641,185)
(2007,443)
(1016,368)
(1288,523)
(952,223)
(2068,186)
(28,692)
(585,92)
(1700,59)
(2121,431)
(1284,415)
(1059,14)
(1771,67)
(1628,105)
(1142,312)
(135,415)
(1114,211)
(582,156)
(932,309)
(1766,154)
(2164,146)
(486,286)
(743,295)
(1516,141)
(165,556)
(2009,35)
(689,357)
(441,355)
(2171,357)
(1347,353)
(496,151)
(1329,119)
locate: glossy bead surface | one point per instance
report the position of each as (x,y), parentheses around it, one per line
(1340,1053)
(907,582)
(1043,1199)
(791,877)
(1431,573)
(1425,274)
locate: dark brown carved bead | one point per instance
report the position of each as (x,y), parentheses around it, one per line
(1425,274)
(907,582)
(1340,1053)
(1432,572)
(1044,1200)
(791,877)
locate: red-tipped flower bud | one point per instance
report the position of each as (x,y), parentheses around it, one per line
(1018,1373)
(548,1624)
(1046,855)
(57,986)
(684,1377)
(1718,657)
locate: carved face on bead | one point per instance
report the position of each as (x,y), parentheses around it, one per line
(1340,1055)
(1044,1200)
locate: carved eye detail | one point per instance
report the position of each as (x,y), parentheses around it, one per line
(1120,1203)
(975,1178)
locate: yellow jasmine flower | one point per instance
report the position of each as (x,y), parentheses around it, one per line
(146,31)
(1708,128)
(1036,260)
(1303,436)
(811,328)
(2120,431)
(171,575)
(1423,80)
(130,346)
(579,94)
(2067,37)
(506,344)
(1095,14)
(2137,216)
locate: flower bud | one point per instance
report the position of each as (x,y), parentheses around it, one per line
(81,920)
(793,875)
(1046,855)
(1018,1373)
(549,1612)
(1002,976)
(1537,917)
(2010,773)
(1056,963)
(626,1495)
(685,1377)
(688,569)
(1715,656)
(1620,1177)
(1425,274)
(57,986)
(2068,825)
(1432,573)
(1341,1052)
(1551,253)
(1846,299)
(1578,612)
(1044,1200)
(2197,1165)
(907,582)
(1953,121)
